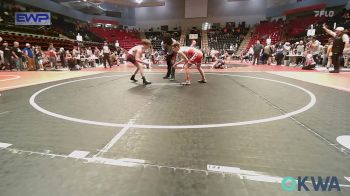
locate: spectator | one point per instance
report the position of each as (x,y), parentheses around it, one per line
(257,48)
(90,57)
(286,53)
(97,53)
(2,65)
(76,55)
(70,61)
(194,43)
(52,56)
(329,53)
(106,55)
(17,56)
(313,46)
(300,48)
(61,54)
(250,54)
(279,53)
(116,44)
(39,58)
(29,56)
(7,54)
(267,54)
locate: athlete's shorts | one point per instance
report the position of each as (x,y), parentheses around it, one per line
(131,58)
(197,60)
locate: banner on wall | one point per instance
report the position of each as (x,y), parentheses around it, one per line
(33,18)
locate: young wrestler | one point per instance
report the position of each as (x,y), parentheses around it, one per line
(134,56)
(189,56)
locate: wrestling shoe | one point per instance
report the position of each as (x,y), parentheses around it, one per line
(202,81)
(133,78)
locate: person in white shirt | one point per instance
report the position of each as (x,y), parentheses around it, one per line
(250,54)
(97,54)
(106,55)
(90,57)
(286,52)
(116,44)
(313,47)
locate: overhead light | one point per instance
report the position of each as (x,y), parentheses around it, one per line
(139,1)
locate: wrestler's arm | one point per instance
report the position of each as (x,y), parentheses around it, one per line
(333,34)
(139,56)
(184,58)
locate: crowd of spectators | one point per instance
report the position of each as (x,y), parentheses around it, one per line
(36,58)
(307,53)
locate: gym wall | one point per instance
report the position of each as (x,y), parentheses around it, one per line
(173,13)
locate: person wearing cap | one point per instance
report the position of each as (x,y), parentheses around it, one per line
(340,42)
(29,56)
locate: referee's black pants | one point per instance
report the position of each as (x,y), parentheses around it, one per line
(106,57)
(170,68)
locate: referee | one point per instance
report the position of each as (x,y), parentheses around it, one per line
(106,55)
(340,42)
(170,56)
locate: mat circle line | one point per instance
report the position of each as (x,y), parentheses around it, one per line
(15,77)
(311,103)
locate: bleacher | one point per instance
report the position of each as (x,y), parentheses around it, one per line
(320,34)
(295,29)
(126,39)
(33,39)
(219,40)
(267,29)
(156,38)
(299,25)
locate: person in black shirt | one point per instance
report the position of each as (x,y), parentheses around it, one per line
(17,56)
(257,48)
(340,42)
(167,42)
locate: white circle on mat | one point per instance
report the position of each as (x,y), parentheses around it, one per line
(344,140)
(229,124)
